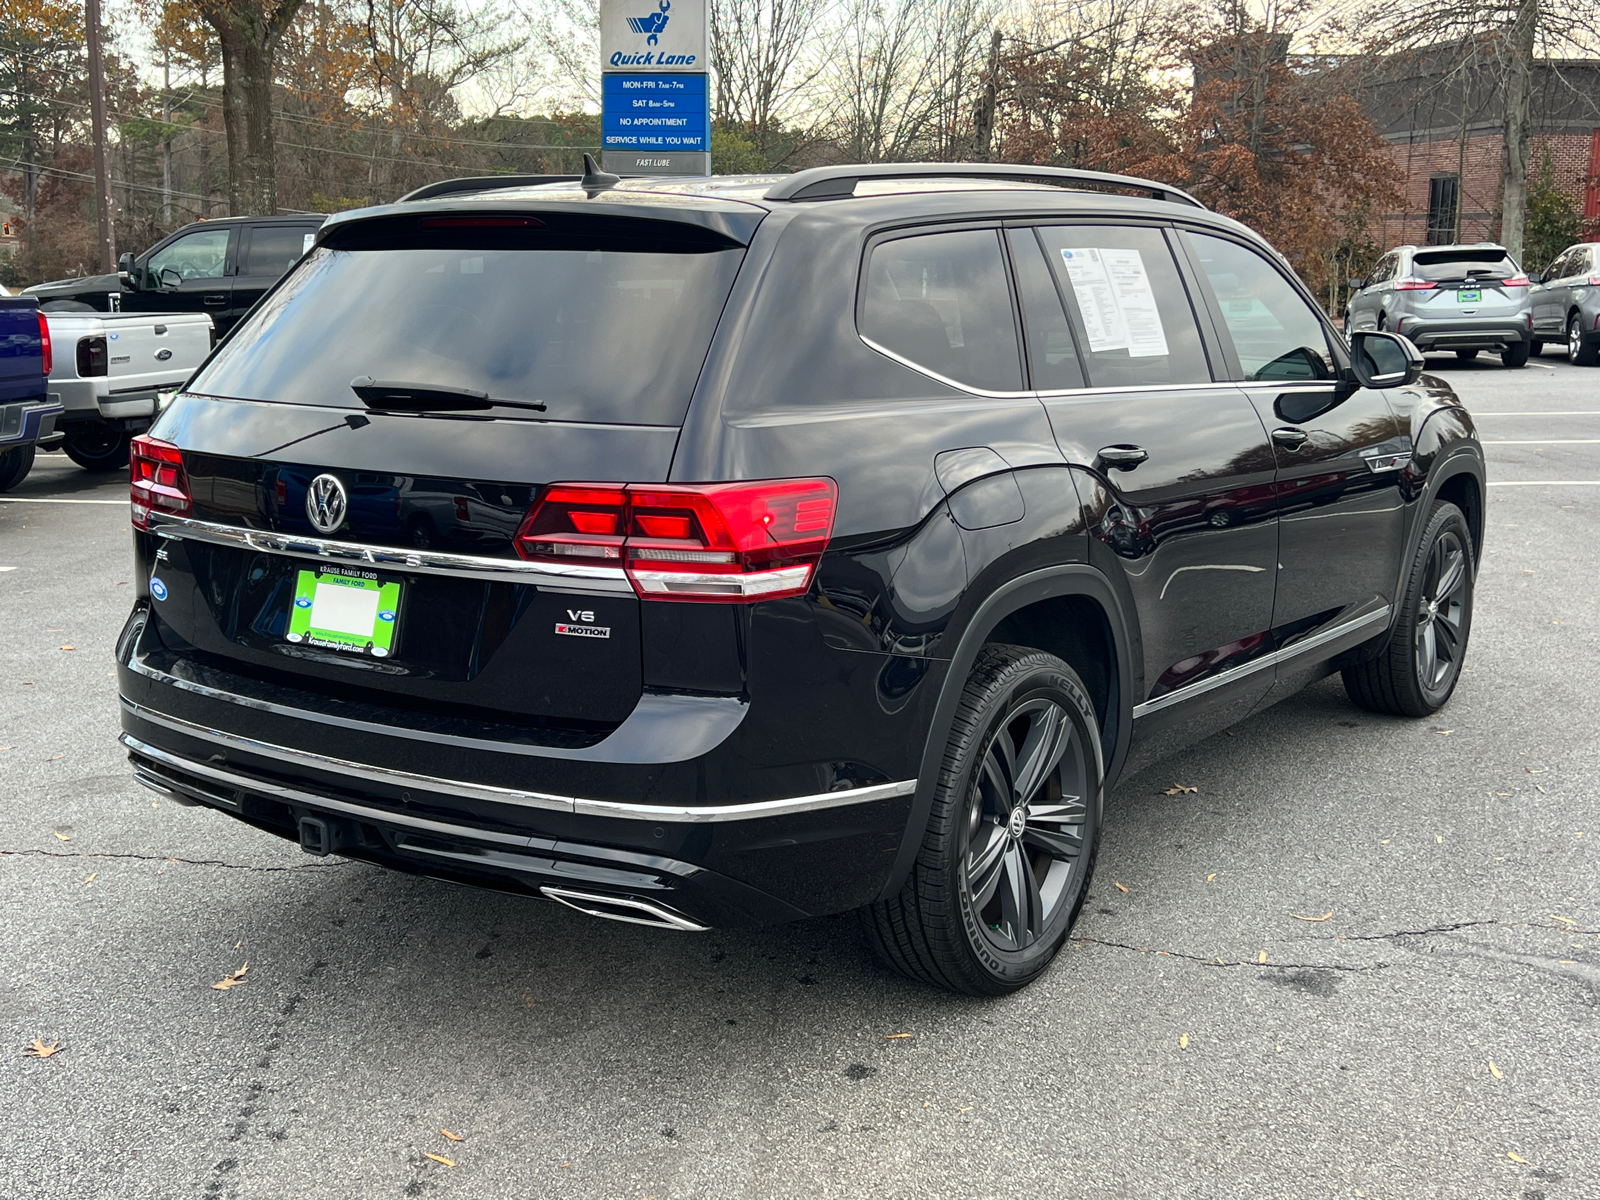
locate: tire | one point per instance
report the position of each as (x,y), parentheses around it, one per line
(1417,670)
(1515,356)
(1032,872)
(1535,348)
(1579,352)
(14,466)
(96,448)
(1466,355)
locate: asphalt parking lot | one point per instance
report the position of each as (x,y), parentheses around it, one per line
(1435,1035)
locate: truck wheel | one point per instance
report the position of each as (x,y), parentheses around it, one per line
(97,449)
(1010,844)
(14,466)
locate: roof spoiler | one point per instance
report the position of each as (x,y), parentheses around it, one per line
(838,183)
(483,183)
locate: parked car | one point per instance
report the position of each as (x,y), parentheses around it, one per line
(829,551)
(109,371)
(1566,303)
(26,412)
(1461,298)
(219,268)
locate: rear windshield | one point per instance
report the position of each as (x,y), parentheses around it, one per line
(615,336)
(1441,266)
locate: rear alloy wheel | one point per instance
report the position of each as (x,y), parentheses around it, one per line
(1580,352)
(1011,841)
(97,448)
(1515,355)
(15,465)
(1415,673)
(1466,355)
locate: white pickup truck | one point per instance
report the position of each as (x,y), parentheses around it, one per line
(109,369)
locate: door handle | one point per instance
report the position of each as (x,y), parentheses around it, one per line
(1123,458)
(215,299)
(1291,439)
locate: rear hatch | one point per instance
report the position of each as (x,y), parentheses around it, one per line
(1466,282)
(145,352)
(361,453)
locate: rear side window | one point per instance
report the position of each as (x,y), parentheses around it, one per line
(1455,266)
(591,327)
(941,301)
(1276,333)
(274,248)
(1128,305)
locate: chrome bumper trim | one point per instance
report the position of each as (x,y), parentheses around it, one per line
(690,814)
(1233,674)
(550,576)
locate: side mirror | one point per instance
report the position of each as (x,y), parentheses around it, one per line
(1535,276)
(1384,360)
(1356,283)
(125,272)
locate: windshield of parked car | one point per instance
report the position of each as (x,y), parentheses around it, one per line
(616,336)
(1442,266)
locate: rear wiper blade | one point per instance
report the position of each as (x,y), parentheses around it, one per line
(419,397)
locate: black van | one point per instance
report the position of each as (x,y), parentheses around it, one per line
(727,551)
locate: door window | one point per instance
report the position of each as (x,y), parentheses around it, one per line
(1052,350)
(1127,303)
(941,301)
(1384,271)
(1276,333)
(199,255)
(274,249)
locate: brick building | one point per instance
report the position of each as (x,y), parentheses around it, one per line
(1445,127)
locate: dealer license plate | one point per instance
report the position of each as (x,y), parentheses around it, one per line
(1469,295)
(345,609)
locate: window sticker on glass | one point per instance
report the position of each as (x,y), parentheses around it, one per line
(1116,300)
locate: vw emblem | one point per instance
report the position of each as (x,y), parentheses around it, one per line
(326,502)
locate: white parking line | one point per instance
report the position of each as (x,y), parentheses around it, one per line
(55,500)
(1545,442)
(1544,483)
(1574,412)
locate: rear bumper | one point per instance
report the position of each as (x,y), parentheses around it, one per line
(25,424)
(1467,334)
(670,814)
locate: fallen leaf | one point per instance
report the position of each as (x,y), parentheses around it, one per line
(93,877)
(1323,917)
(968,1108)
(1183,1042)
(69,647)
(1552,622)
(1211,877)
(234,979)
(1497,794)
(1516,1158)
(40,1050)
(1438,839)
(1535,770)
(1541,789)
(1496,1071)
(1444,732)
(889,1037)
(454,1137)
(1386,841)
(1262,957)
(55,758)
(1559,917)
(439,1158)
(1121,888)
(1179,789)
(62,629)
(63,836)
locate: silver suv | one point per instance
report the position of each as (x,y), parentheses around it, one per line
(1566,303)
(1461,298)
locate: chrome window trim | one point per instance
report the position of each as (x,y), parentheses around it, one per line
(944,379)
(1244,670)
(552,576)
(577,805)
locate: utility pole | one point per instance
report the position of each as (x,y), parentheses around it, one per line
(166,135)
(97,117)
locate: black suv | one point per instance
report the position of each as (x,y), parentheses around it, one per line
(727,551)
(219,267)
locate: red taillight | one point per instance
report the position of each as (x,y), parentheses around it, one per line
(1515,281)
(44,345)
(1414,285)
(157,481)
(730,542)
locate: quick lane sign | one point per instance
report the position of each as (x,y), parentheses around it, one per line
(655,115)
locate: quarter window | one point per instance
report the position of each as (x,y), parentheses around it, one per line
(941,301)
(1276,333)
(1127,304)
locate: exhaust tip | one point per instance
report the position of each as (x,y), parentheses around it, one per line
(623,908)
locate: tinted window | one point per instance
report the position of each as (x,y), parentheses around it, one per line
(605,335)
(1276,333)
(1128,305)
(1384,270)
(941,301)
(199,255)
(1447,266)
(1052,351)
(274,248)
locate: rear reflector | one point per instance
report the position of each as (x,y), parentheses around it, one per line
(728,542)
(157,481)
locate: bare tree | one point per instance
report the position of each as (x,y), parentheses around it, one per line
(759,56)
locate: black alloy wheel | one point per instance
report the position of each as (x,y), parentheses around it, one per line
(1418,668)
(97,448)
(1580,353)
(15,465)
(1012,838)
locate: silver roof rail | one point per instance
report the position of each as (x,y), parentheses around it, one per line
(838,183)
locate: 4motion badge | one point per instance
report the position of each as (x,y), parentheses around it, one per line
(580,623)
